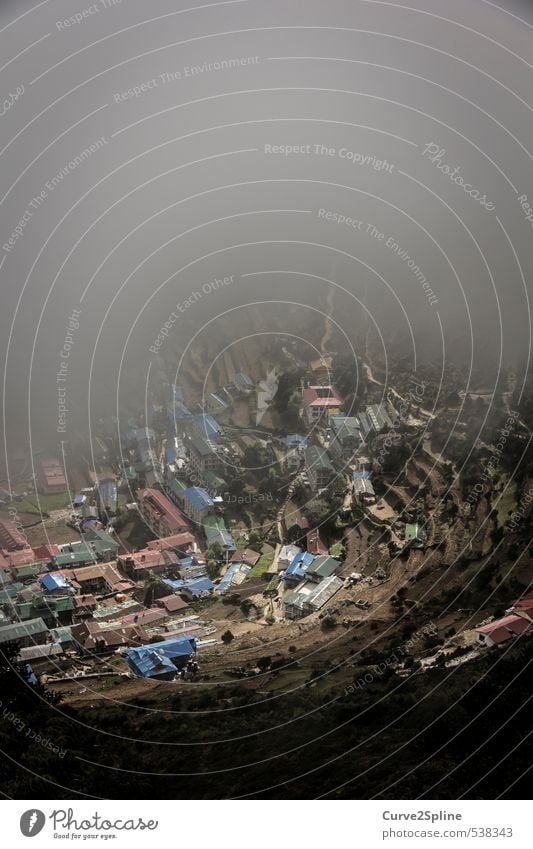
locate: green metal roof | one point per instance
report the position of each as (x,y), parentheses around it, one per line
(323,565)
(415,534)
(10,633)
(214,481)
(317,458)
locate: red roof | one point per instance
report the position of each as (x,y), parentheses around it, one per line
(167,508)
(526,602)
(321,396)
(52,472)
(24,557)
(172,603)
(144,559)
(84,601)
(175,541)
(505,628)
(315,544)
(10,536)
(45,552)
(246,555)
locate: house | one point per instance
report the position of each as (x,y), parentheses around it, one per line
(214,483)
(203,456)
(310,597)
(286,556)
(99,579)
(323,566)
(175,652)
(320,402)
(318,467)
(198,588)
(141,434)
(315,544)
(46,551)
(197,504)
(105,545)
(295,450)
(31,570)
(415,536)
(139,565)
(29,633)
(504,629)
(175,488)
(51,609)
(365,425)
(379,417)
(296,571)
(246,556)
(106,498)
(182,543)
(51,476)
(363,490)
(172,604)
(56,583)
(74,554)
(146,662)
(84,604)
(234,575)
(160,513)
(243,383)
(207,426)
(11,538)
(215,531)
(322,368)
(347,438)
(191,568)
(92,638)
(44,651)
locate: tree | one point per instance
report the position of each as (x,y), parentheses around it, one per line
(213,569)
(317,511)
(253,539)
(227,637)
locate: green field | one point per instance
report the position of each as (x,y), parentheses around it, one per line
(45,504)
(262,565)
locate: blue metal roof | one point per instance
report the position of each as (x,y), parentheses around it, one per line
(298,565)
(228,577)
(170,454)
(181,411)
(155,660)
(195,587)
(198,586)
(207,425)
(296,439)
(178,647)
(198,497)
(361,475)
(55,581)
(148,663)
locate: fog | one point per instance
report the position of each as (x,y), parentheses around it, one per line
(249,167)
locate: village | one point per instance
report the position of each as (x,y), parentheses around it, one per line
(197,542)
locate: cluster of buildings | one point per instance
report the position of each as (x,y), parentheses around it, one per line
(517,622)
(309,577)
(338,440)
(88,598)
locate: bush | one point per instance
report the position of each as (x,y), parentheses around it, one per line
(227,637)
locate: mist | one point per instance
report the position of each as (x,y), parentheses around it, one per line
(252,168)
